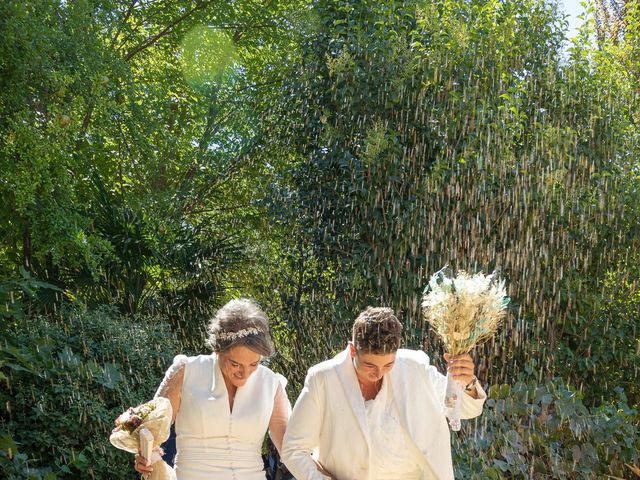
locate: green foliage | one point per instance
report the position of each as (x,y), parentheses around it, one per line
(176,272)
(457,133)
(126,183)
(15,295)
(64,382)
(606,344)
(533,431)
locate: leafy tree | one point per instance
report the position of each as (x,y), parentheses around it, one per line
(131,167)
(460,133)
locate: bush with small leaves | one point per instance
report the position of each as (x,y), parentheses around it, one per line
(532,431)
(65,381)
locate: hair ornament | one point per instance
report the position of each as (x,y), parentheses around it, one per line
(231,336)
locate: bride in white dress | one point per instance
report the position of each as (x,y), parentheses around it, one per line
(224,403)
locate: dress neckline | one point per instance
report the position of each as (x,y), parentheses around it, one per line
(219,378)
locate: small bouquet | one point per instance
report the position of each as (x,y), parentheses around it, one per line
(146,427)
(464,311)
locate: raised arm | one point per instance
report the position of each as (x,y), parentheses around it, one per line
(462,368)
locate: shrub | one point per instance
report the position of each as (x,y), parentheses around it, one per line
(531,431)
(64,383)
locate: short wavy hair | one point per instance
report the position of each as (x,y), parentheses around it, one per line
(377,331)
(240,322)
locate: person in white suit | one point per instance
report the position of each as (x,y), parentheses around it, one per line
(375,411)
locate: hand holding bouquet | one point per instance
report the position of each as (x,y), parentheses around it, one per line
(463,311)
(149,422)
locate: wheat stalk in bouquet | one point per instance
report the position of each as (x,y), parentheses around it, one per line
(464,311)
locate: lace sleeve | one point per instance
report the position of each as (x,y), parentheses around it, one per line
(279,416)
(171,385)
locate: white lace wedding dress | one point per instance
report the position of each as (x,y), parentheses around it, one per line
(213,442)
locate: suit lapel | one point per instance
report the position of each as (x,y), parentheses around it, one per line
(349,381)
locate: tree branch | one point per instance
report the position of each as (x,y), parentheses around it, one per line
(212,113)
(123,21)
(163,33)
(85,124)
(226,175)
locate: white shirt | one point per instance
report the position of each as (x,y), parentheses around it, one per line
(391,457)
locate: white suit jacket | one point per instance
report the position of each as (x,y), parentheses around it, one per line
(329,419)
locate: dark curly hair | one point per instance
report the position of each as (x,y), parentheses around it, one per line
(377,331)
